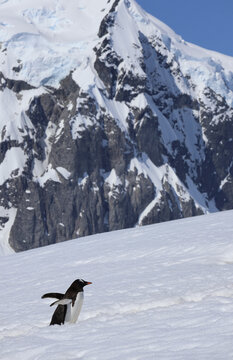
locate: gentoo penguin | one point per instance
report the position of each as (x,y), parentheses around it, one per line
(69,304)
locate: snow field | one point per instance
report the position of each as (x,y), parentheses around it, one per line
(163,291)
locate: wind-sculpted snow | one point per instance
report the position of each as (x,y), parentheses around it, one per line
(158,292)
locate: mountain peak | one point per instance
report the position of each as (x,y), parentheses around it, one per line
(40,35)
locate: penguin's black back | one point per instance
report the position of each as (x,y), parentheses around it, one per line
(59,315)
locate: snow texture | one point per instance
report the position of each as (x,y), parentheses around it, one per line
(163,291)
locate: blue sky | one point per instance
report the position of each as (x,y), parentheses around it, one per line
(207,23)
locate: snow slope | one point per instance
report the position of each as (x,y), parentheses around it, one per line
(163,291)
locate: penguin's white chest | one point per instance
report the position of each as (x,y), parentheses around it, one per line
(74,311)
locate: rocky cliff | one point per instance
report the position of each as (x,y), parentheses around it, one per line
(108,120)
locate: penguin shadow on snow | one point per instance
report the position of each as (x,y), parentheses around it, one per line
(69,305)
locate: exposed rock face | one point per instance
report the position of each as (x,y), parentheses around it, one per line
(140,144)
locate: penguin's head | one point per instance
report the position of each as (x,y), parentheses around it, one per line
(85,282)
(80,283)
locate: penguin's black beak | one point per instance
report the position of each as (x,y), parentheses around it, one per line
(88,283)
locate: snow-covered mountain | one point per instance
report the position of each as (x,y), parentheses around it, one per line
(108,120)
(163,291)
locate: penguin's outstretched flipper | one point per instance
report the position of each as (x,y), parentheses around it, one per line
(53,295)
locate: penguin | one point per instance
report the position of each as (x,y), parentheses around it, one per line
(69,304)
